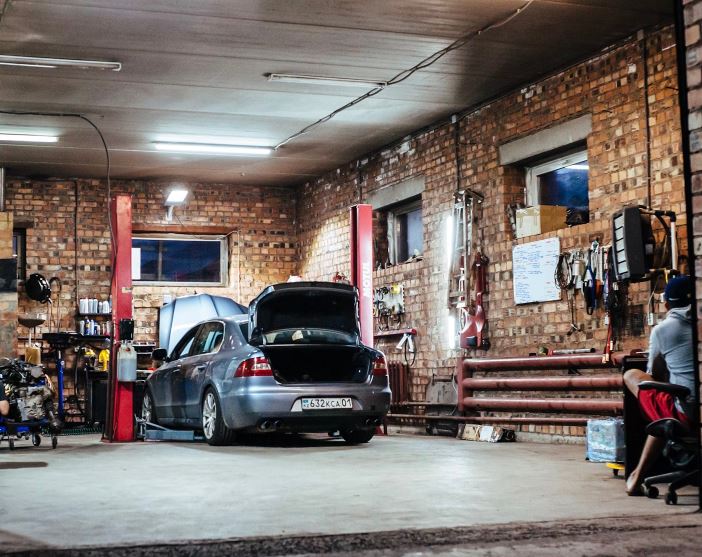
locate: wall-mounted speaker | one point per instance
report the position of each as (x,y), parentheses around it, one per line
(632,244)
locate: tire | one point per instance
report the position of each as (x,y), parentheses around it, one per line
(148,411)
(357,436)
(213,427)
(54,442)
(36,439)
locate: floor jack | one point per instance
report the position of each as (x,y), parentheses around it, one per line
(149,431)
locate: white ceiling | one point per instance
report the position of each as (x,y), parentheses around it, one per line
(196,68)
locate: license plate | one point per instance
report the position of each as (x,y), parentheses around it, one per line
(327,403)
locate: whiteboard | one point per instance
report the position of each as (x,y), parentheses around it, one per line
(533,267)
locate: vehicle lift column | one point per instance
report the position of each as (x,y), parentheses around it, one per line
(362,266)
(120,406)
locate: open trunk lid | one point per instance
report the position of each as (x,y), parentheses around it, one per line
(305,313)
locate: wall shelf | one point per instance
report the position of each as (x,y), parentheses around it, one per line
(395,333)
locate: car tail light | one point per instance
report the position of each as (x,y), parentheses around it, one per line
(254,367)
(379,367)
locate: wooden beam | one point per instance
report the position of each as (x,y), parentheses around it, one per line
(146,228)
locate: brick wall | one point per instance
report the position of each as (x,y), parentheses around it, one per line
(610,87)
(693,44)
(8,300)
(69,218)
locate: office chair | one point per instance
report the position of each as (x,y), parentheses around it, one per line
(680,448)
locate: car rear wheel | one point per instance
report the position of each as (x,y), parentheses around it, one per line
(357,436)
(213,427)
(148,412)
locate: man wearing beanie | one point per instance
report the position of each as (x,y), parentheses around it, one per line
(669,355)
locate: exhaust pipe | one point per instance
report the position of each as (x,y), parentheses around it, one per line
(265,425)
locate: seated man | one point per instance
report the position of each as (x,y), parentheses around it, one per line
(670,359)
(4,405)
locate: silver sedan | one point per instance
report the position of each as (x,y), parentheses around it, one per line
(301,369)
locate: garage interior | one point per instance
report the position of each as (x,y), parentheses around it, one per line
(492,144)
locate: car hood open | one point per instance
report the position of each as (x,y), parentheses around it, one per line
(304,305)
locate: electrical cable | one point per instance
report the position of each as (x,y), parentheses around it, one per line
(115,247)
(405,74)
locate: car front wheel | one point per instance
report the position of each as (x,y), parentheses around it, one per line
(357,436)
(213,427)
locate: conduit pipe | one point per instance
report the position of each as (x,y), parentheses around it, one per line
(545,383)
(571,405)
(563,361)
(540,420)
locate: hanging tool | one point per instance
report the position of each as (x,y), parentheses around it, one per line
(475,320)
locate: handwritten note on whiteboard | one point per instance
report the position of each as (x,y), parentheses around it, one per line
(533,267)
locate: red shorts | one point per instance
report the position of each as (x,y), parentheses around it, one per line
(657,405)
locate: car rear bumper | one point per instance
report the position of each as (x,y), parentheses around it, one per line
(258,406)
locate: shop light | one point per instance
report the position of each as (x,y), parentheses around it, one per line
(42,62)
(322,80)
(212,149)
(176,197)
(28,138)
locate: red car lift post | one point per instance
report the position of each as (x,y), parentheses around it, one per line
(362,266)
(120,419)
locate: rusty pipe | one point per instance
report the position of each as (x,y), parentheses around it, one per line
(572,405)
(545,383)
(540,420)
(544,362)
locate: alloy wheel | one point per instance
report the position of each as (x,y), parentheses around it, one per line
(146,413)
(209,415)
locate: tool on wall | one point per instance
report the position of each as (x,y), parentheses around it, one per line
(389,306)
(473,332)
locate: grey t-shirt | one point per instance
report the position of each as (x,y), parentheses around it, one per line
(672,339)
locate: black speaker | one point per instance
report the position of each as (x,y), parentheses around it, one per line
(632,244)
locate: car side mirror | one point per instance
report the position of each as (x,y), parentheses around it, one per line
(160,355)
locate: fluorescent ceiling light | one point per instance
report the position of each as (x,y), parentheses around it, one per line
(212,149)
(321,80)
(41,62)
(28,138)
(176,197)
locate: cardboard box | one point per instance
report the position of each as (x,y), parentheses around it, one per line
(539,219)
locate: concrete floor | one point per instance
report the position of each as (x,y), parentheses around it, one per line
(87,493)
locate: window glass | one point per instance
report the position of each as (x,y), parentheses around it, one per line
(244,327)
(175,260)
(184,347)
(209,339)
(562,182)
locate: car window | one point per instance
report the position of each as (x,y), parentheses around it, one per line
(209,338)
(184,347)
(244,326)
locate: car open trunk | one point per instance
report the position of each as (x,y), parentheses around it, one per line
(313,363)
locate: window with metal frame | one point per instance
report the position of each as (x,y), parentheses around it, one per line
(403,230)
(563,181)
(179,259)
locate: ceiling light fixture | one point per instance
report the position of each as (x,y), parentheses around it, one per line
(212,148)
(176,198)
(41,62)
(321,80)
(28,138)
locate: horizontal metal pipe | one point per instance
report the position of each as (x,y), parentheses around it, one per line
(544,362)
(423,404)
(540,420)
(545,383)
(573,405)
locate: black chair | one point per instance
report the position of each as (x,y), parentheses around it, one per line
(680,449)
